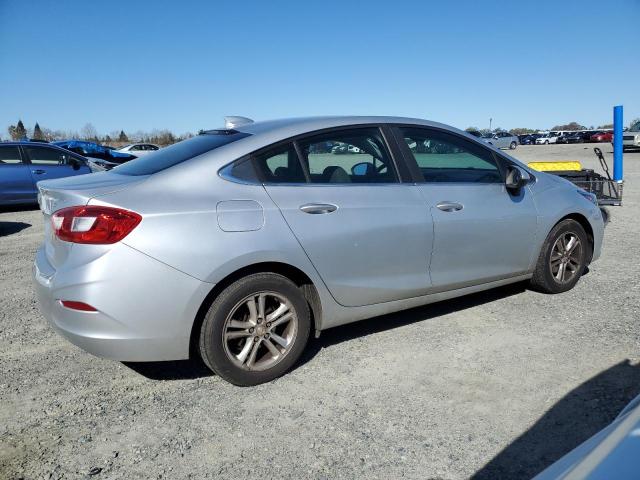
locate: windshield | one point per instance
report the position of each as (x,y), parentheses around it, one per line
(179,152)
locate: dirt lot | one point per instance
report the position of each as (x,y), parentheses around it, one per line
(496,385)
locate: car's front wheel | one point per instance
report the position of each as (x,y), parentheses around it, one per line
(513,145)
(562,259)
(255,330)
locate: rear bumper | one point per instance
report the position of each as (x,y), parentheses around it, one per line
(145,309)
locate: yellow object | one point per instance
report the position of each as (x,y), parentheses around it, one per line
(571,165)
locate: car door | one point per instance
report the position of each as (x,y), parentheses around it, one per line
(504,140)
(482,232)
(47,163)
(367,234)
(16,184)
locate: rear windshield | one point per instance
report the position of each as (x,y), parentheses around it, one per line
(178,152)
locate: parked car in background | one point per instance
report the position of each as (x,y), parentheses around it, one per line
(284,242)
(631,137)
(93,150)
(139,149)
(575,137)
(563,137)
(529,139)
(601,137)
(501,140)
(475,133)
(547,138)
(22,164)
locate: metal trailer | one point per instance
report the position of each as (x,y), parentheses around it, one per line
(607,190)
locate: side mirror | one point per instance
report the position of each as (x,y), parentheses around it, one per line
(516,178)
(74,162)
(495,136)
(361,169)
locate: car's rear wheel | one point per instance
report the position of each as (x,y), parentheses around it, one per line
(255,330)
(513,145)
(562,259)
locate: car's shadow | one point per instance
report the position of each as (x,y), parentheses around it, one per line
(379,324)
(194,368)
(576,417)
(9,228)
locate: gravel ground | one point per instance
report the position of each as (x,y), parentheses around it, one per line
(494,385)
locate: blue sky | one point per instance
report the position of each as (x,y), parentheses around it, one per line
(184,65)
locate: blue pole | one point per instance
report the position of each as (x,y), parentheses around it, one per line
(617,143)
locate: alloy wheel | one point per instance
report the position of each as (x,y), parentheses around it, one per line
(566,257)
(260,331)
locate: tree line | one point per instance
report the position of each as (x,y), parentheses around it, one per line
(166,137)
(89,133)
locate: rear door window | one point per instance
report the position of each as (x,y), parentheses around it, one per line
(356,155)
(45,156)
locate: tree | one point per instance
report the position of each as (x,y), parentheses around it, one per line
(122,137)
(89,132)
(570,126)
(606,125)
(17,132)
(37,132)
(471,129)
(522,131)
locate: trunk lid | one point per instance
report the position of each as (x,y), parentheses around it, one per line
(54,195)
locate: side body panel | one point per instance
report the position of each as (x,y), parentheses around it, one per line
(51,172)
(491,237)
(373,248)
(16,184)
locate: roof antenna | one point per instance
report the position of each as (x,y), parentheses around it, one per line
(234,121)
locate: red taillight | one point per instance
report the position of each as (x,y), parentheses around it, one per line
(73,305)
(94,224)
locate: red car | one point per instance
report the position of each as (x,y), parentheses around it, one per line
(602,137)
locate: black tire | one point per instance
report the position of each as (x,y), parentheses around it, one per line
(544,279)
(546,142)
(214,350)
(513,145)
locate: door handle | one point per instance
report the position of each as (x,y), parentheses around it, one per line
(449,206)
(38,171)
(318,208)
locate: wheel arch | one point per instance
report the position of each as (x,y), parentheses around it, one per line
(297,276)
(584,223)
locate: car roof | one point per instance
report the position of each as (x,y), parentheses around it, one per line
(288,127)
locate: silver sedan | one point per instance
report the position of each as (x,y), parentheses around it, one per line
(502,140)
(240,243)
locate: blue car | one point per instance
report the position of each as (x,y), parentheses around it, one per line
(93,150)
(22,164)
